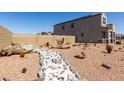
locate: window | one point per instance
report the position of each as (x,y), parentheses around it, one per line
(104,20)
(72,25)
(63,27)
(82,34)
(103,35)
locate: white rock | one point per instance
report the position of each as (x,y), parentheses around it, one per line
(54,65)
(54,79)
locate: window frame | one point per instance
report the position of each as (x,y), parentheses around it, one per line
(82,34)
(104,20)
(63,27)
(72,25)
(103,34)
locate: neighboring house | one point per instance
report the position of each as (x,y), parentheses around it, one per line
(92,28)
(5,37)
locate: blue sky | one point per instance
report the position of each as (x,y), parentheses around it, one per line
(34,22)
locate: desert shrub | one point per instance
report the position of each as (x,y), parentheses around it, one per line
(5,79)
(95,44)
(47,44)
(120,48)
(5,52)
(86,44)
(40,46)
(109,48)
(38,75)
(13,50)
(22,54)
(60,42)
(82,56)
(67,43)
(24,70)
(13,44)
(119,42)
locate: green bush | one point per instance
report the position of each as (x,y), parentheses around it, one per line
(119,42)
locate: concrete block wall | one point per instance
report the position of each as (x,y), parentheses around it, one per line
(40,39)
(5,37)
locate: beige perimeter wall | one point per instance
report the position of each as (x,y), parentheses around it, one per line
(5,37)
(40,39)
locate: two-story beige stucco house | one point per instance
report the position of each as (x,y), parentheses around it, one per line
(92,28)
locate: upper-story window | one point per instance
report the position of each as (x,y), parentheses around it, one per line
(104,20)
(82,34)
(63,27)
(72,25)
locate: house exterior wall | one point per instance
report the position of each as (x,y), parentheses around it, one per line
(5,37)
(85,29)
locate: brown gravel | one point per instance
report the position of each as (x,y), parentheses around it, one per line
(90,68)
(11,67)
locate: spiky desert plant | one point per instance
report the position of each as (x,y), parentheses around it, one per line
(109,48)
(86,44)
(95,44)
(120,48)
(47,44)
(24,70)
(60,42)
(84,55)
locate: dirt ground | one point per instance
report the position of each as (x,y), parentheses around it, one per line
(11,67)
(90,68)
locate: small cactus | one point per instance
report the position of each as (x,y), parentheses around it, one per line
(95,44)
(22,54)
(24,70)
(109,48)
(60,42)
(47,44)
